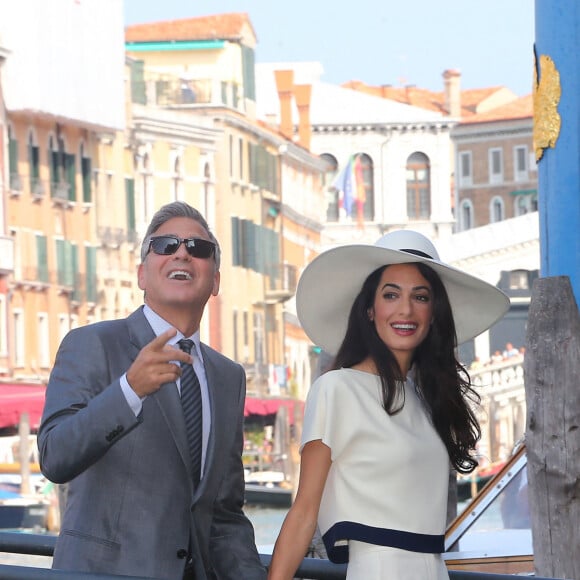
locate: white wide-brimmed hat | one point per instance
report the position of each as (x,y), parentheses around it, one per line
(330,283)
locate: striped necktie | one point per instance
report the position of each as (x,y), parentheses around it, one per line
(192,410)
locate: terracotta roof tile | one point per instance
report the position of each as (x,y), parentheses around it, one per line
(216,27)
(426,99)
(522,108)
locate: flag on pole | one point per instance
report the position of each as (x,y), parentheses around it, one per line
(350,185)
(344,184)
(360,197)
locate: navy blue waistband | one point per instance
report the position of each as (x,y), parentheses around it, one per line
(343,531)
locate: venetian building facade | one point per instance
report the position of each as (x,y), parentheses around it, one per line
(55,108)
(397,154)
(204,67)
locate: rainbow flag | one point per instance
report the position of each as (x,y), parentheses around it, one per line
(351,188)
(344,184)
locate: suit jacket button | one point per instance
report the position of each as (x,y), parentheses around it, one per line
(182,554)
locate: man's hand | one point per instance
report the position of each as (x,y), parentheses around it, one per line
(156,365)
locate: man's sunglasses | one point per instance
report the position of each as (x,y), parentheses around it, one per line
(196,247)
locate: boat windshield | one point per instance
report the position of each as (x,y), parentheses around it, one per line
(497,522)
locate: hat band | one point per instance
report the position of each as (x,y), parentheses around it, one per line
(417,253)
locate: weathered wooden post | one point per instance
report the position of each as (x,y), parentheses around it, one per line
(552,378)
(552,362)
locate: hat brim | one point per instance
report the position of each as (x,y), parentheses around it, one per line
(330,283)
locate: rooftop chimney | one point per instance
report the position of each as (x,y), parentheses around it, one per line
(302,94)
(452,83)
(284,85)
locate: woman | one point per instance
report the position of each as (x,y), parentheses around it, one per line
(383,427)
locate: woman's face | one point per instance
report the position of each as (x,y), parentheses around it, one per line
(402,311)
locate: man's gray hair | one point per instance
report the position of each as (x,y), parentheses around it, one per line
(172,210)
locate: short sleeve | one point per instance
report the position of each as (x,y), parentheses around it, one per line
(314,415)
(322,417)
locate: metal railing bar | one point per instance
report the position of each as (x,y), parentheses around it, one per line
(8,572)
(43,545)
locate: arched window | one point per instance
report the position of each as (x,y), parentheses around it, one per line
(418,187)
(331,191)
(466,215)
(496,210)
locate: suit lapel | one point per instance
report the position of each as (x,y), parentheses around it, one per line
(167,397)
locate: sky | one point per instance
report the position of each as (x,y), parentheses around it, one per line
(382,42)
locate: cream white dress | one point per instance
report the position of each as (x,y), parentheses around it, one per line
(384,504)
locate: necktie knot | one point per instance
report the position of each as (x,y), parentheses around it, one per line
(186,345)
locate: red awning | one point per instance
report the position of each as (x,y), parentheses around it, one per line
(270,406)
(16,399)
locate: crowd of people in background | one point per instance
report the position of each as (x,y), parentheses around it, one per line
(509,352)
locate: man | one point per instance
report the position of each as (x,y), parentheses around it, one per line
(113,426)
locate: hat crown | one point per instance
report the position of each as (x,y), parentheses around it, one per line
(408,241)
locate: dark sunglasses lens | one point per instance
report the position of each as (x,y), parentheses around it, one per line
(200,248)
(164,245)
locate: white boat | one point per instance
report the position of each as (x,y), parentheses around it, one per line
(267,487)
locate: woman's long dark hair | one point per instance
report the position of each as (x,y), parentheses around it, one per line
(442,381)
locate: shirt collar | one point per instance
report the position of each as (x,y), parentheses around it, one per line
(160,325)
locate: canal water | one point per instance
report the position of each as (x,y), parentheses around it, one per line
(267,522)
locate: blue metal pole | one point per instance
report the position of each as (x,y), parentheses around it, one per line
(558,39)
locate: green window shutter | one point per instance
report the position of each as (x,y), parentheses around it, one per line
(248,72)
(13,156)
(130,199)
(33,167)
(261,250)
(72,269)
(61,262)
(70,172)
(249,244)
(274,257)
(86,174)
(53,165)
(273,173)
(42,258)
(262,168)
(253,163)
(14,177)
(67,262)
(138,89)
(91,281)
(236,248)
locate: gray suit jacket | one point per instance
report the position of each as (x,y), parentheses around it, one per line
(131,503)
